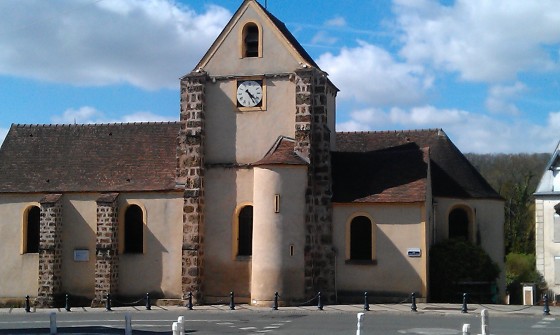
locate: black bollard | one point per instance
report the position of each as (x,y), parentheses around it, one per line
(148,304)
(413,306)
(464,309)
(366,303)
(108,302)
(189,303)
(27,304)
(319,302)
(231,301)
(67,303)
(546,310)
(275,305)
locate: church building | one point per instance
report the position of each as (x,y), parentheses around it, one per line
(251,191)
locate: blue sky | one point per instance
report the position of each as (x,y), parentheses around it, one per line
(487,72)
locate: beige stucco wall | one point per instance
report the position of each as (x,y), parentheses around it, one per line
(227,59)
(245,137)
(158,269)
(19,275)
(278,237)
(399,227)
(226,190)
(488,218)
(154,271)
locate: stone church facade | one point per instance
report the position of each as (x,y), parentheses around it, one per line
(251,191)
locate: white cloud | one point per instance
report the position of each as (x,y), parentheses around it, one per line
(471,132)
(3,133)
(85,114)
(499,98)
(338,21)
(322,37)
(146,43)
(371,75)
(89,115)
(482,40)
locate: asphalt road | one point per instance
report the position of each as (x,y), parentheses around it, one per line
(265,321)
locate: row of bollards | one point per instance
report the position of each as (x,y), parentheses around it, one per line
(413,307)
(484,324)
(53,328)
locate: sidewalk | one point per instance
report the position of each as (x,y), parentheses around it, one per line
(373,308)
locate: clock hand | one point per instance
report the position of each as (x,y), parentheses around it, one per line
(250,95)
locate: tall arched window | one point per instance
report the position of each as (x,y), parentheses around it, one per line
(31,230)
(459,224)
(361,243)
(251,40)
(134,230)
(245,232)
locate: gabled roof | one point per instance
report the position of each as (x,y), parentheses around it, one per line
(397,175)
(452,174)
(89,158)
(546,183)
(287,37)
(282,153)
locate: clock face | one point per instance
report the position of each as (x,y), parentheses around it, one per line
(249,93)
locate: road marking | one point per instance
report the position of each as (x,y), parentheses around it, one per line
(248,328)
(430,331)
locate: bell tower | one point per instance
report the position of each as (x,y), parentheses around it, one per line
(254,162)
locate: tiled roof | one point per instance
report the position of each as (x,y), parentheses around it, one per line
(386,176)
(452,174)
(96,158)
(282,153)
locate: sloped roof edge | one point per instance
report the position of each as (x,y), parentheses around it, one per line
(290,41)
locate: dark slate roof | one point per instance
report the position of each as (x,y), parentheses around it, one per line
(89,158)
(293,41)
(398,175)
(282,153)
(452,174)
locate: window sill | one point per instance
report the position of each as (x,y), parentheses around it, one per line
(361,261)
(243,258)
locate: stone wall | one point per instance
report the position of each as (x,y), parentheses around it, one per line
(106,249)
(313,141)
(50,250)
(190,176)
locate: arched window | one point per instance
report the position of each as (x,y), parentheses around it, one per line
(245,232)
(361,244)
(459,224)
(134,230)
(31,229)
(251,40)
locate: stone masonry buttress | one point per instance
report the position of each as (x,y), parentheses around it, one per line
(50,250)
(313,142)
(190,175)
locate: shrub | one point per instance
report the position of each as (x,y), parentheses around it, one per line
(520,268)
(456,265)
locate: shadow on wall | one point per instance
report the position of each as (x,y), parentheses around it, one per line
(141,273)
(392,278)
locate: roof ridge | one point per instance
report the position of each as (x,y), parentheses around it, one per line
(391,131)
(62,125)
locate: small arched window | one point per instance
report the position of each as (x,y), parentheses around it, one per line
(251,40)
(459,224)
(134,230)
(245,232)
(361,244)
(32,230)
